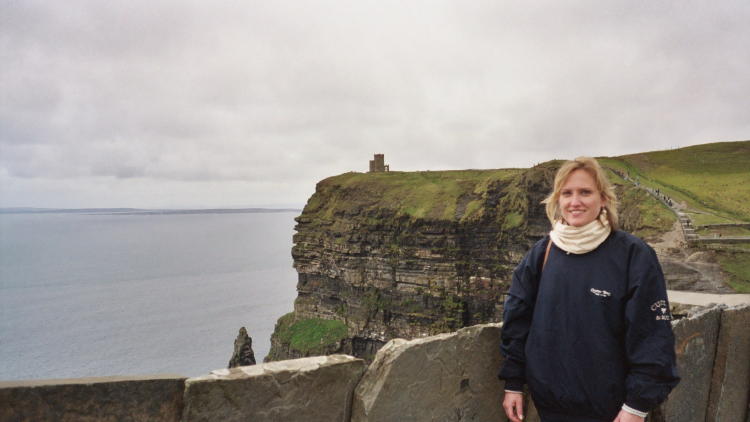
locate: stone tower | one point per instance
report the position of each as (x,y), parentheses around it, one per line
(378,164)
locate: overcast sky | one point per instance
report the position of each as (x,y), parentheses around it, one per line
(159,104)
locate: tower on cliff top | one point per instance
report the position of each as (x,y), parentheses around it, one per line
(378,164)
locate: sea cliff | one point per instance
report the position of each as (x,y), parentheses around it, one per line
(410,254)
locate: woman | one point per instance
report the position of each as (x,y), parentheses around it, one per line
(587,322)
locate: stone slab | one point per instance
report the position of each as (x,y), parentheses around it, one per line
(309,389)
(151,398)
(447,377)
(730,387)
(695,347)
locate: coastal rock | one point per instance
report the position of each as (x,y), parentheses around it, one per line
(695,346)
(730,388)
(378,254)
(294,339)
(309,389)
(431,379)
(105,399)
(243,350)
(681,310)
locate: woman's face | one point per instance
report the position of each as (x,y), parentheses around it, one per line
(580,201)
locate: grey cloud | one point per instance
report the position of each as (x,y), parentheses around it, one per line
(241,93)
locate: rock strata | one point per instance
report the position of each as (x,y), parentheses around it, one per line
(405,255)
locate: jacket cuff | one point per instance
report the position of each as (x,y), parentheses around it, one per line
(514,384)
(632,411)
(637,405)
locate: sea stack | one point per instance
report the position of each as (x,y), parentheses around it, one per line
(243,350)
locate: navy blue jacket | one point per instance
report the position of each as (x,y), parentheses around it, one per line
(591,331)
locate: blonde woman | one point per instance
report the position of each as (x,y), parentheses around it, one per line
(586,323)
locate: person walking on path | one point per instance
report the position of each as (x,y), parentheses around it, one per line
(586,323)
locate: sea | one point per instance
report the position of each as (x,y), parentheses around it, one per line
(99,294)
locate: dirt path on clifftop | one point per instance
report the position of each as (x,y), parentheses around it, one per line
(673,239)
(688,269)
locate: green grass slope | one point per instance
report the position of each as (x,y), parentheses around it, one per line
(439,195)
(713,180)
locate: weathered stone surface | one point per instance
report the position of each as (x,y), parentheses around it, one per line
(309,389)
(153,398)
(243,350)
(695,346)
(731,378)
(447,377)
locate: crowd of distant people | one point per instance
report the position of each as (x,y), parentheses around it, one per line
(654,191)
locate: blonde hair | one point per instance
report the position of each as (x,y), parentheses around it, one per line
(592,167)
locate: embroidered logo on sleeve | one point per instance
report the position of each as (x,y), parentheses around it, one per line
(602,293)
(662,311)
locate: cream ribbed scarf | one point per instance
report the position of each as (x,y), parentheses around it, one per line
(579,240)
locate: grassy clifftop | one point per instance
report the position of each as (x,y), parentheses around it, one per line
(434,195)
(712,181)
(463,196)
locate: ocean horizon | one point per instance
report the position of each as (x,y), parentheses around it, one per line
(138,292)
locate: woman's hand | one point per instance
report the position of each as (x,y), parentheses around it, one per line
(624,416)
(513,405)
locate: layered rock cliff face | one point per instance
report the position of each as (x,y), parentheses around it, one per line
(408,255)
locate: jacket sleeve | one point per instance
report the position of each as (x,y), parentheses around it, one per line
(517,315)
(649,341)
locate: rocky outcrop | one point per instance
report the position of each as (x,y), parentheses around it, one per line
(294,339)
(243,350)
(310,389)
(405,255)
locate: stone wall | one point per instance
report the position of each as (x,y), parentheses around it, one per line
(306,390)
(155,398)
(447,377)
